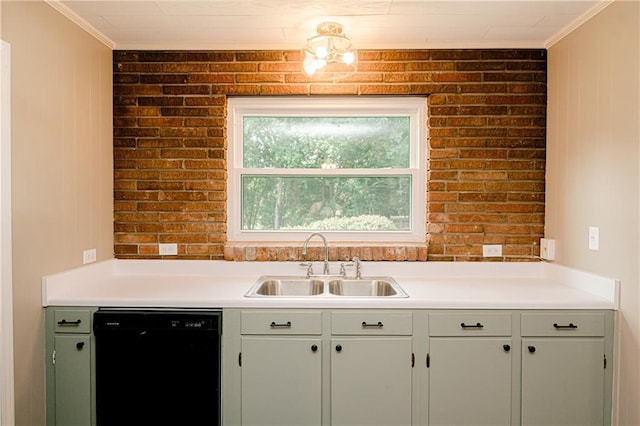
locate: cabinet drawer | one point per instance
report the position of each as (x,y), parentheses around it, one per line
(372,322)
(72,321)
(563,324)
(470,324)
(281,322)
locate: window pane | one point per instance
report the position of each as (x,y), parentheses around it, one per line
(380,203)
(326,142)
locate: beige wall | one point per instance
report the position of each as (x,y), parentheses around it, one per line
(593,145)
(62,170)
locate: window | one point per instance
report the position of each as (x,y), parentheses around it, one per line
(351,168)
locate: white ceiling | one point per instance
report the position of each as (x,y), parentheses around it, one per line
(280,24)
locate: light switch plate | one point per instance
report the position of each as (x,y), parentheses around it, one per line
(594,238)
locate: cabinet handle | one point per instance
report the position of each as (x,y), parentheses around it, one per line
(571,326)
(79,345)
(506,348)
(314,348)
(70,323)
(338,348)
(367,325)
(476,325)
(531,349)
(276,325)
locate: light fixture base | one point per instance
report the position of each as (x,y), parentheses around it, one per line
(329,54)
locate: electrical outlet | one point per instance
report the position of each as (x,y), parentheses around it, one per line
(168,249)
(594,238)
(88,256)
(548,249)
(492,250)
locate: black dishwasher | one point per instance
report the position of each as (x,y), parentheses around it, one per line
(157,367)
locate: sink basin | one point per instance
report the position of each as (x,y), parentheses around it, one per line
(325,286)
(286,286)
(366,287)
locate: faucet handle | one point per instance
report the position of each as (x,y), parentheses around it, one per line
(358,264)
(309,266)
(343,268)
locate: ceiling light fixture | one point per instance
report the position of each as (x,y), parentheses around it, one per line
(329,51)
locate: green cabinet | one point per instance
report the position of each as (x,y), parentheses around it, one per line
(338,367)
(343,367)
(565,379)
(69,368)
(317,367)
(371,368)
(281,362)
(470,369)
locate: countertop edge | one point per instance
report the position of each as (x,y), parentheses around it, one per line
(431,285)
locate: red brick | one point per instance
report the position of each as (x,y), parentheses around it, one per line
(486,117)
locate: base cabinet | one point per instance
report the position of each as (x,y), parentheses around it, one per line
(470,369)
(564,371)
(69,367)
(339,367)
(377,367)
(371,381)
(280,361)
(371,367)
(277,373)
(313,367)
(470,381)
(72,380)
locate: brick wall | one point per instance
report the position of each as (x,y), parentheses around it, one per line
(486,147)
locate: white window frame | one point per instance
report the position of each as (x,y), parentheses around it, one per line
(414,107)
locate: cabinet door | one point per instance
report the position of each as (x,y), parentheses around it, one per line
(563,381)
(281,381)
(371,381)
(470,381)
(73,380)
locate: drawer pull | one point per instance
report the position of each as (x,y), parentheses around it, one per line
(276,325)
(476,325)
(69,323)
(571,326)
(366,325)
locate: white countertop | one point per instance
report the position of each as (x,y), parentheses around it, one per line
(430,285)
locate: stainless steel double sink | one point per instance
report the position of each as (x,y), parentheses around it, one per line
(329,286)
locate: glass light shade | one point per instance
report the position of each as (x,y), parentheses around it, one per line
(329,53)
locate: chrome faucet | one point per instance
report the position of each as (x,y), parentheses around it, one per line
(326,250)
(358,264)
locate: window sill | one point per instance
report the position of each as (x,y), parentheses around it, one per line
(261,251)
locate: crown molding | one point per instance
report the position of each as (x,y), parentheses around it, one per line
(76,19)
(574,25)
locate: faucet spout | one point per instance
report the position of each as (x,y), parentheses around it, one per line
(326,250)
